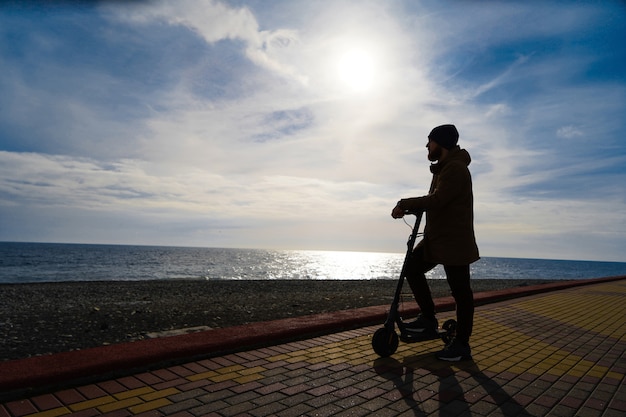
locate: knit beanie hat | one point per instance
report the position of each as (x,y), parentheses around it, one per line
(445,135)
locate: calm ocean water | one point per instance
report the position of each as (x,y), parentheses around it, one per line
(51,262)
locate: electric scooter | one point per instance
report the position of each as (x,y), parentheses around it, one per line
(385,340)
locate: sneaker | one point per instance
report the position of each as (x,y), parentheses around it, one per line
(455,351)
(422,324)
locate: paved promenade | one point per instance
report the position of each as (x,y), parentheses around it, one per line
(559,353)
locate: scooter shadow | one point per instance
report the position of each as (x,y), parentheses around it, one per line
(420,378)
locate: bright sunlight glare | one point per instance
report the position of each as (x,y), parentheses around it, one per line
(357,69)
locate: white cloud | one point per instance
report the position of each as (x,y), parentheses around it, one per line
(61,181)
(568,132)
(214,22)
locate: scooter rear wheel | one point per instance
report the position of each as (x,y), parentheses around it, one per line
(450,327)
(385,342)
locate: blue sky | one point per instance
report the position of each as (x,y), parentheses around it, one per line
(298,124)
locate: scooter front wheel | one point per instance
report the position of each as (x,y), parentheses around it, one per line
(385,342)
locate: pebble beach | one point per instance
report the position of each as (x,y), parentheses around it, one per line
(45,318)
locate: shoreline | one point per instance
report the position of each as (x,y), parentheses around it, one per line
(51,317)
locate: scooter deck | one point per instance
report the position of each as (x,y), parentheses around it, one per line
(414,337)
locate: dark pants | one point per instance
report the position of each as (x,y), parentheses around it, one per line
(458,277)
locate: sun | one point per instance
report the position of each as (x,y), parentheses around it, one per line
(357,70)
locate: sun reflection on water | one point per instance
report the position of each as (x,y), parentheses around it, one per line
(347,265)
(308,264)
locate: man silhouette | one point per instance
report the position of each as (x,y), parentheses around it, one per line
(449,239)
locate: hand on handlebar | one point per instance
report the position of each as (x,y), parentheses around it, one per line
(398,212)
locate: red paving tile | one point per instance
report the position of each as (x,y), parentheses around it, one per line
(92,391)
(20,408)
(46,402)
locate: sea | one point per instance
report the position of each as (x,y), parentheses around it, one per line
(55,262)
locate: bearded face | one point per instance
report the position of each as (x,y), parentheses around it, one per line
(434,151)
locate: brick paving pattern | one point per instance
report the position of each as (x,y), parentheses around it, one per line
(553,354)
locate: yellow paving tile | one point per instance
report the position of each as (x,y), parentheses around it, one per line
(583,366)
(518,369)
(315,359)
(278,358)
(615,375)
(562,369)
(542,366)
(317,348)
(576,373)
(248,378)
(335,356)
(255,370)
(91,403)
(133,393)
(296,359)
(571,361)
(152,405)
(118,405)
(160,394)
(597,372)
(225,377)
(354,357)
(556,372)
(534,371)
(230,369)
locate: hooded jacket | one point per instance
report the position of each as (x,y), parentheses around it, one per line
(449,232)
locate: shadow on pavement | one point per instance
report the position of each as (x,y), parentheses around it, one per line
(420,378)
